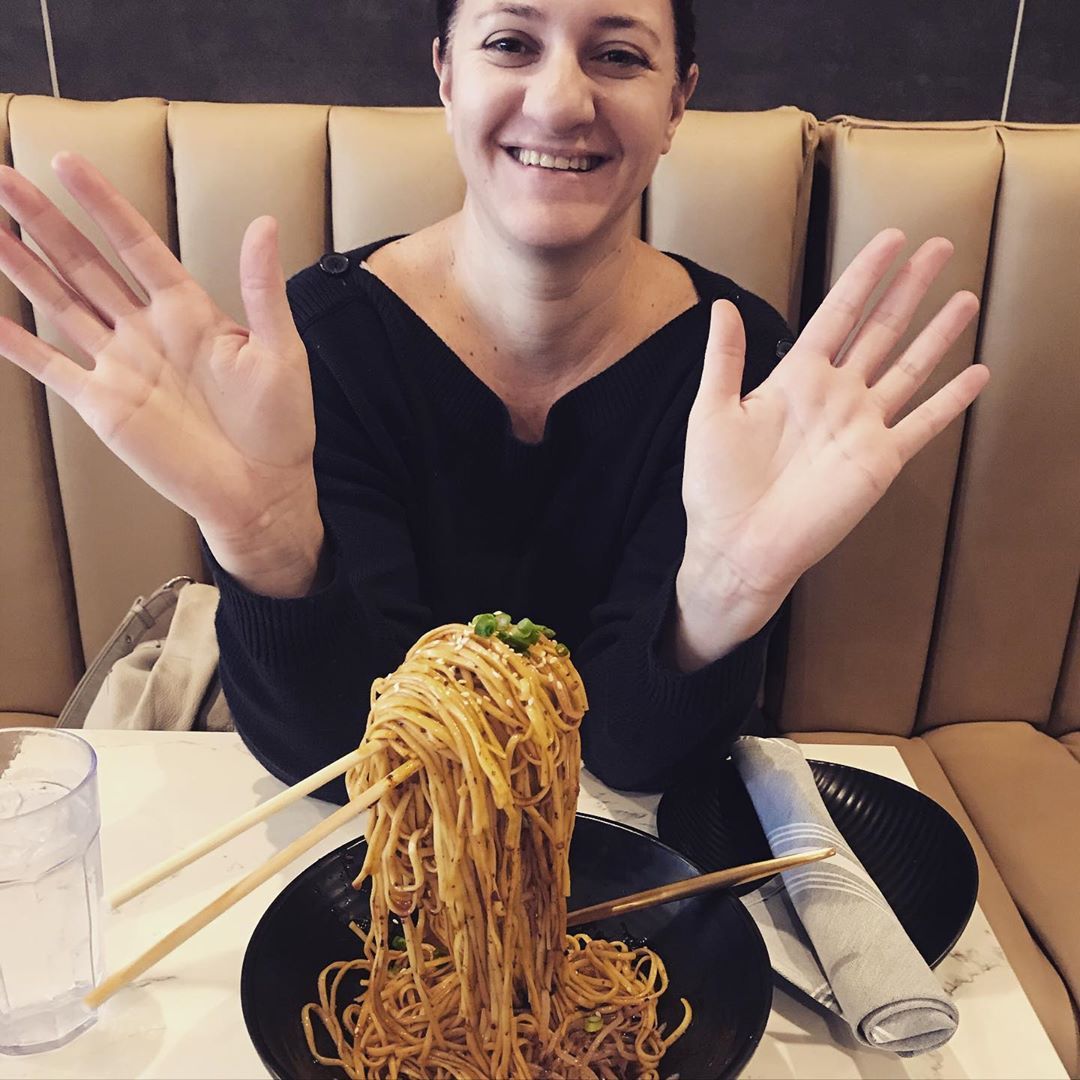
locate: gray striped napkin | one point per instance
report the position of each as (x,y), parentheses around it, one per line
(828,929)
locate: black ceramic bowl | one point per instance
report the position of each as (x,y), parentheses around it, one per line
(916,853)
(713,952)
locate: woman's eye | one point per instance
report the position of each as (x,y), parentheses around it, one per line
(623,58)
(507,46)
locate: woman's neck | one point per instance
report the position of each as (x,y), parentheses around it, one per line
(554,314)
(534,325)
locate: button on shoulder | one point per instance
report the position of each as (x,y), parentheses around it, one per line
(334,263)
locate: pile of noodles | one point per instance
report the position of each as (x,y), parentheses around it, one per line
(481,978)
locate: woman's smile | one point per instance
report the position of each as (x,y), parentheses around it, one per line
(556,160)
(557,165)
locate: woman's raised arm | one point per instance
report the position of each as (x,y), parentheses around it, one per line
(215,416)
(775,480)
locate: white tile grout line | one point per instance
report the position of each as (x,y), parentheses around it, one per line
(47,27)
(1012,61)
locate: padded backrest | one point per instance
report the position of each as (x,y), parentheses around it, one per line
(733,194)
(952,600)
(392,171)
(861,620)
(200,173)
(39,661)
(232,163)
(1010,580)
(123,538)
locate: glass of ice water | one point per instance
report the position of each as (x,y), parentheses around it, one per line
(50,887)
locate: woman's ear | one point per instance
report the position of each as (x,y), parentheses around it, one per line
(680,98)
(443,72)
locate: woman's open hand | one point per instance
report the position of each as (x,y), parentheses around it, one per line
(775,480)
(216,417)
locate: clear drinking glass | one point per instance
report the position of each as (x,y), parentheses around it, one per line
(50,887)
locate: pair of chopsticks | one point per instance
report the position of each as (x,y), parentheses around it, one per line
(661,895)
(364,801)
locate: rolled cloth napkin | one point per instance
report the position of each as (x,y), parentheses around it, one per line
(828,929)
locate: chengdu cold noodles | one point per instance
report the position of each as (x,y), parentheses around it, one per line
(480,978)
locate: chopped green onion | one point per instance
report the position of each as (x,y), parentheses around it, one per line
(398,942)
(515,642)
(519,636)
(531,630)
(593,1023)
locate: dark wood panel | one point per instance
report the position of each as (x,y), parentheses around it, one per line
(919,59)
(24,62)
(340,52)
(885,59)
(1046,81)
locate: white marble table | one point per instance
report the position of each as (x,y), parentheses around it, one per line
(161,791)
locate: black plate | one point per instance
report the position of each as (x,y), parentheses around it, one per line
(914,850)
(713,952)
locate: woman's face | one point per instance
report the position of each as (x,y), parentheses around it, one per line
(560,110)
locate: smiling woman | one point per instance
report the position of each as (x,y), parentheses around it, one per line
(523,406)
(559,114)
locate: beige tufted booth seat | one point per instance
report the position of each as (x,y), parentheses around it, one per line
(946,624)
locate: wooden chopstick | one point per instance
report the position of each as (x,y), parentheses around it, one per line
(679,890)
(105,990)
(234,828)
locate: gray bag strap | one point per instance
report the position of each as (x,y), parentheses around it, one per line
(145,620)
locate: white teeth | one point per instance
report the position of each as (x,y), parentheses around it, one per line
(551,161)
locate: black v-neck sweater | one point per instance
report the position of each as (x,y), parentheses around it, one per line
(435,511)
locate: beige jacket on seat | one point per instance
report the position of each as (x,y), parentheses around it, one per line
(159,671)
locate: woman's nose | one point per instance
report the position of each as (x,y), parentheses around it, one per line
(559,96)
